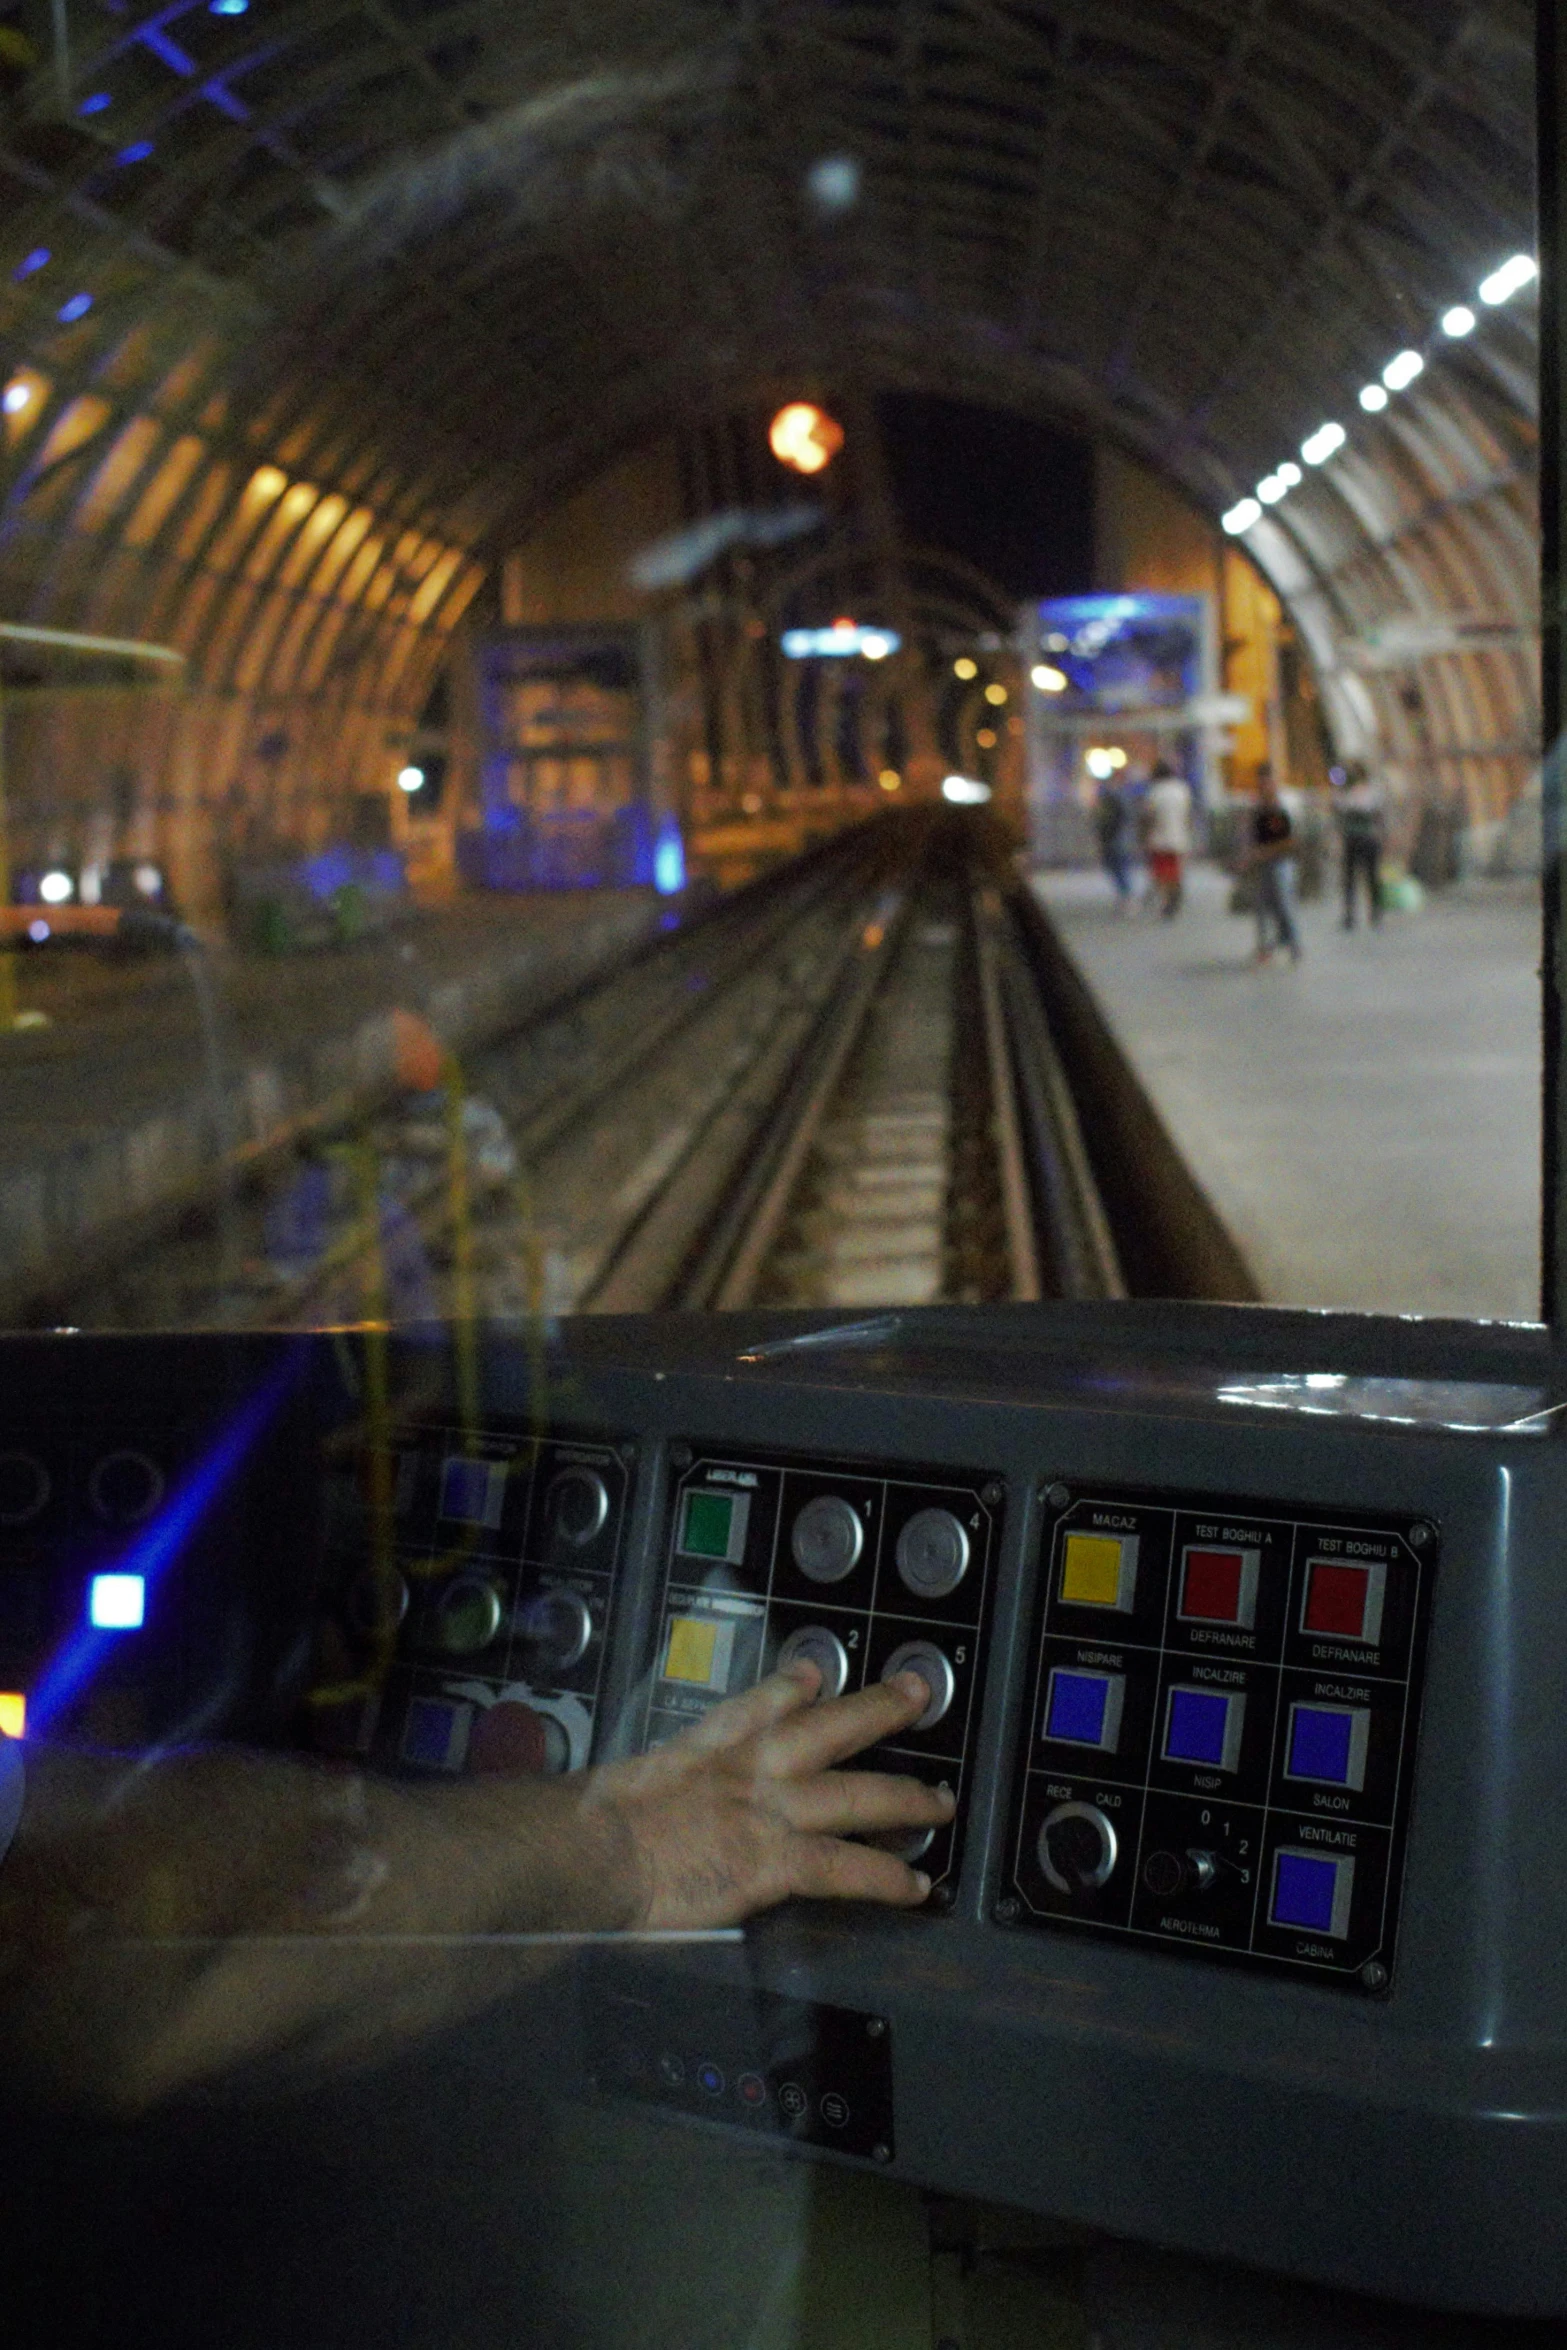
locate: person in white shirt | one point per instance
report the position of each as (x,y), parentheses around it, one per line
(1167,835)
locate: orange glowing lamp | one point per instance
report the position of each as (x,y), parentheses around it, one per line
(804,436)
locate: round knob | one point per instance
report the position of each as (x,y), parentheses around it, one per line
(925,1658)
(1164,1873)
(24,1488)
(1077,1847)
(933,1554)
(577,1505)
(824,1650)
(827,1539)
(377,1602)
(467,1615)
(125,1487)
(1204,1869)
(509,1738)
(557,1627)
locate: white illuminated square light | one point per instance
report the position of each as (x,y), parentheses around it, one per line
(117,1603)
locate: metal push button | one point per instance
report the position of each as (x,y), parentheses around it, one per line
(1100,1570)
(1084,1709)
(1203,1726)
(467,1615)
(578,1506)
(925,1658)
(933,1554)
(827,1539)
(1312,1891)
(824,1650)
(556,1627)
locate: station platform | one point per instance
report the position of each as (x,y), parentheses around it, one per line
(109,1116)
(1366,1124)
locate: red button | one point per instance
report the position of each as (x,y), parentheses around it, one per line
(1344,1601)
(1219,1586)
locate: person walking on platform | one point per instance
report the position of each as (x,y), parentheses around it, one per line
(1360,815)
(1272,844)
(1113,824)
(1167,835)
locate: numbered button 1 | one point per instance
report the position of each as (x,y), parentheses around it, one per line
(933,1553)
(827,1539)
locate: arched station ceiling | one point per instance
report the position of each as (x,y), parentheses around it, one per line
(436,264)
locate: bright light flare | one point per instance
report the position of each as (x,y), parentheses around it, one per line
(1459,321)
(964,791)
(995,695)
(804,437)
(1401,372)
(1048,680)
(410,779)
(17,396)
(1240,518)
(965,668)
(56,887)
(890,779)
(117,1603)
(1373,399)
(1324,443)
(1270,489)
(1510,279)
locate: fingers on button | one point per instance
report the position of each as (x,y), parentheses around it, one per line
(840,1726)
(759,1709)
(844,1802)
(827,1870)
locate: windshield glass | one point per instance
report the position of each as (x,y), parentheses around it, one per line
(707,658)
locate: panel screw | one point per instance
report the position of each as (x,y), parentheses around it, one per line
(1057,1495)
(882,2153)
(680,1454)
(993,1494)
(875,2027)
(1007,1912)
(1374,1975)
(1421,1536)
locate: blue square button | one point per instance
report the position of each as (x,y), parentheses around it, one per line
(436,1733)
(1084,1709)
(1204,1726)
(1312,1891)
(1328,1743)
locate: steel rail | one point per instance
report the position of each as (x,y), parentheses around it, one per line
(1006,1131)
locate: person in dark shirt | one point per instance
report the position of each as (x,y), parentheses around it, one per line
(1272,846)
(1359,812)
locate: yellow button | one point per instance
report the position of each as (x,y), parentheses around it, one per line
(1097,1571)
(692,1643)
(13,1714)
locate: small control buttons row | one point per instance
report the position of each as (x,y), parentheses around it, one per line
(931,1555)
(124,1487)
(1218,1585)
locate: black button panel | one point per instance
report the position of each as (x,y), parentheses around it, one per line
(1219,1745)
(766,1555)
(469,1584)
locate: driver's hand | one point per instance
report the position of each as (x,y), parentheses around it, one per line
(746,1809)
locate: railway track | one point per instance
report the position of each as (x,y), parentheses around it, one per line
(841,1090)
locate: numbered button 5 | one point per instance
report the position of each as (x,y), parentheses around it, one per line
(926,1659)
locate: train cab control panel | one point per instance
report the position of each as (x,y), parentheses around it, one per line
(867,1575)
(468,1587)
(1220,1733)
(1244,1634)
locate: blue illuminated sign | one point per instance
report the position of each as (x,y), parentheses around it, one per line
(843,641)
